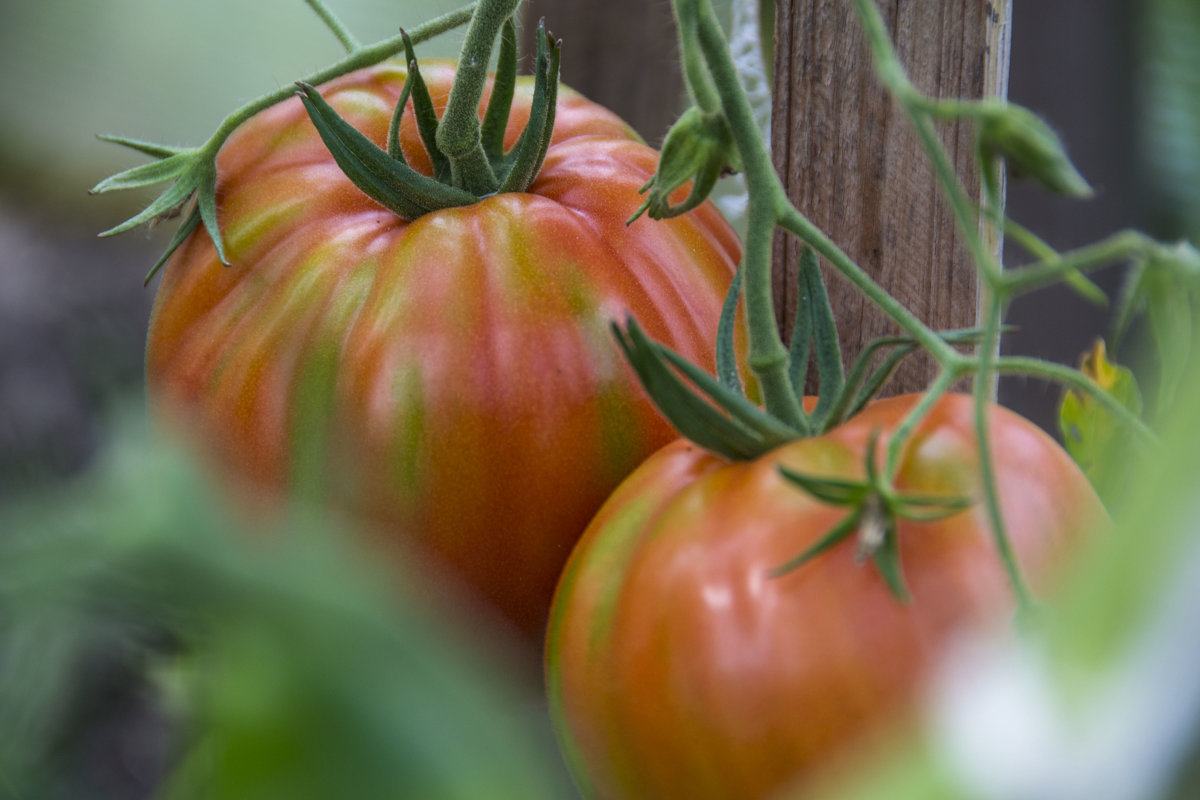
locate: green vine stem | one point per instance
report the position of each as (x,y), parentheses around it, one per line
(192,171)
(1004,134)
(458,134)
(335,25)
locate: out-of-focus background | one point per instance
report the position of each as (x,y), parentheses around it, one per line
(73,312)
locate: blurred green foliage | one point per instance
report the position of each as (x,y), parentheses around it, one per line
(288,665)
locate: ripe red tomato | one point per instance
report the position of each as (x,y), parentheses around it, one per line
(677,667)
(454,378)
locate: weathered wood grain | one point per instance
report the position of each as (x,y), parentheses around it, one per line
(852,164)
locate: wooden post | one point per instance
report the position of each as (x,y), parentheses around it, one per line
(851,163)
(623,54)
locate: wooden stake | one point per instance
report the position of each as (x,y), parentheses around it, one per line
(851,163)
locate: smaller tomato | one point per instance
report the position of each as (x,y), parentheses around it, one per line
(678,666)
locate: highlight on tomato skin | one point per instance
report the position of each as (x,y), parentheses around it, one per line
(450,380)
(679,667)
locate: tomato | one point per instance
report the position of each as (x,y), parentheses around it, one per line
(453,379)
(679,667)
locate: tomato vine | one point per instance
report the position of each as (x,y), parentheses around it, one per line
(1005,134)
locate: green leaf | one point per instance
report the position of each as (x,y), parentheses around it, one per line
(1169,308)
(1093,436)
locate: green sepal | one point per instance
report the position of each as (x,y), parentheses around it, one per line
(693,417)
(726,354)
(929,508)
(426,115)
(772,432)
(149,148)
(802,331)
(834,491)
(878,378)
(394,148)
(836,534)
(185,229)
(831,371)
(886,559)
(170,167)
(386,180)
(521,166)
(495,119)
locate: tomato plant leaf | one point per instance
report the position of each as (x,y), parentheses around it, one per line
(1091,433)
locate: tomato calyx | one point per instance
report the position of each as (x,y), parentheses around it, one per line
(715,413)
(874,508)
(462,175)
(718,414)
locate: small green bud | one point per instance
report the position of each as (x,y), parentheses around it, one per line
(699,147)
(1029,147)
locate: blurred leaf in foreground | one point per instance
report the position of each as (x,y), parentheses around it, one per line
(288,666)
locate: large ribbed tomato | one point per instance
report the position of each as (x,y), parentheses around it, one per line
(454,377)
(679,667)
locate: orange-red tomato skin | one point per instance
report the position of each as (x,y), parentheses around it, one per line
(677,667)
(455,375)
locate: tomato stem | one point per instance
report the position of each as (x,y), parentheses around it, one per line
(335,25)
(458,134)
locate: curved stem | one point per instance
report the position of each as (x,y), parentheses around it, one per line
(334,24)
(768,357)
(695,72)
(900,436)
(799,225)
(1049,270)
(358,59)
(1074,379)
(458,135)
(985,361)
